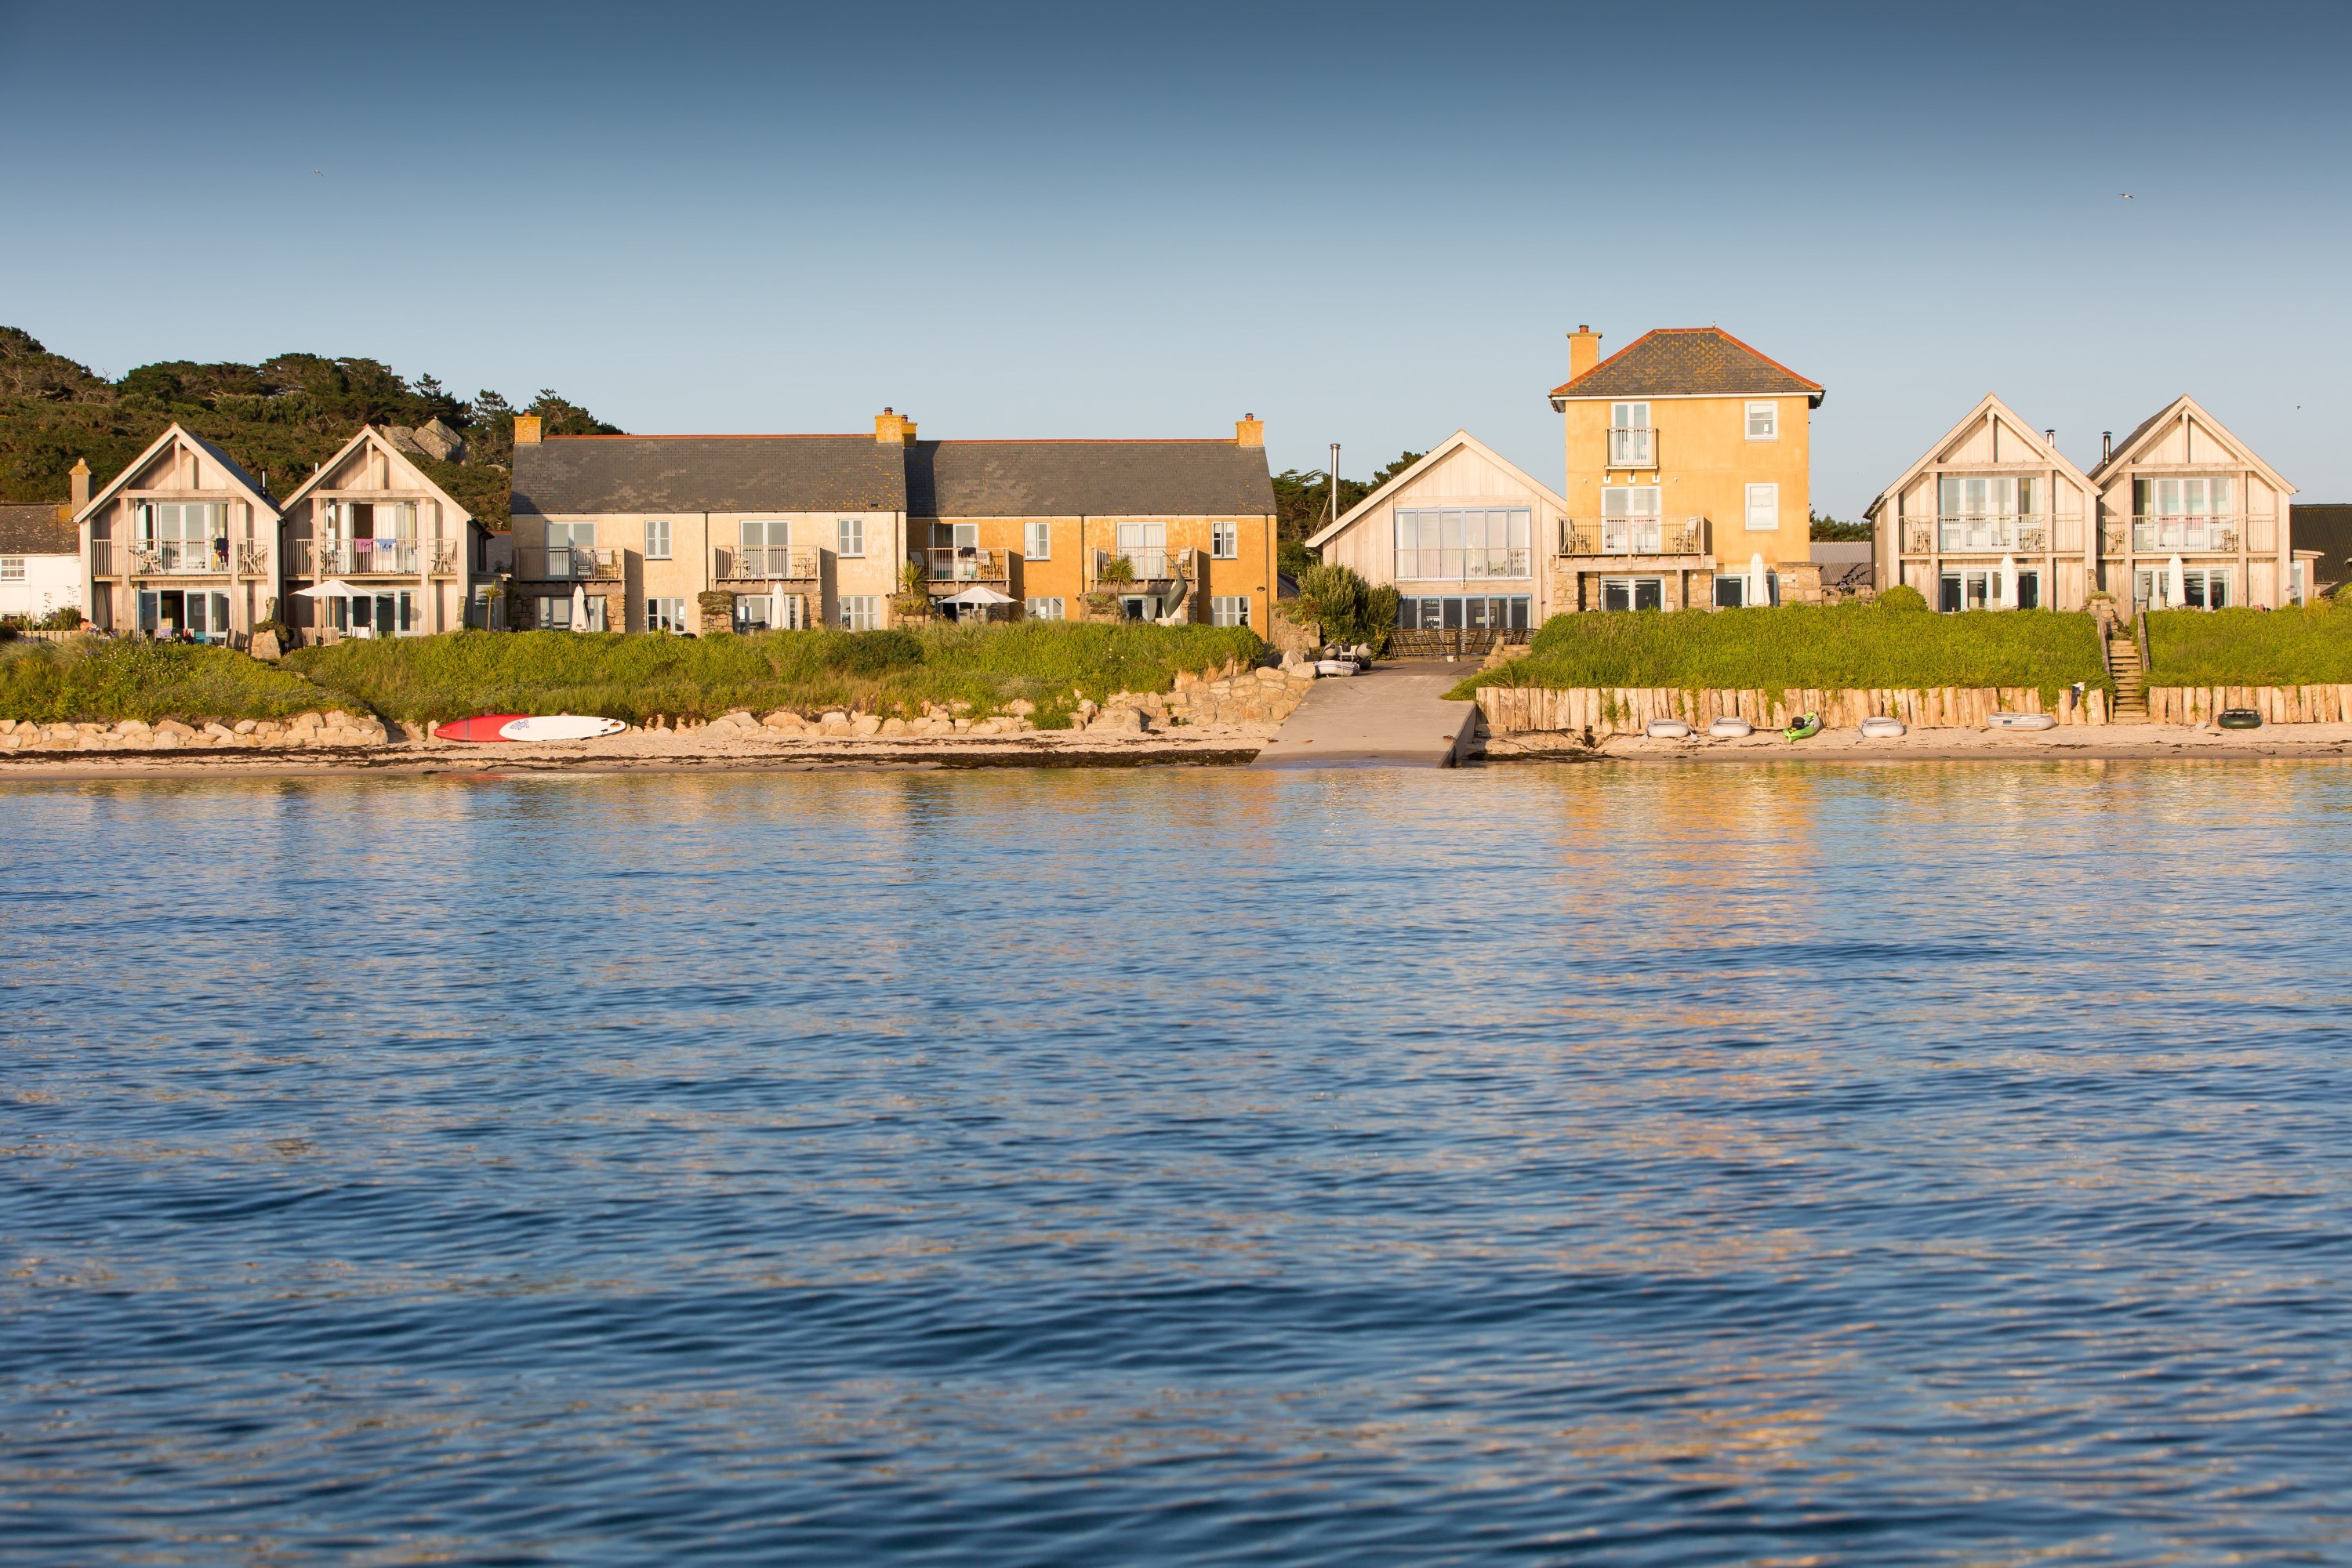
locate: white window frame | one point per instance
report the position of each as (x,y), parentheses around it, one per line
(1770,494)
(851,533)
(543,617)
(861,611)
(1225,542)
(658,540)
(1049,608)
(12,568)
(592,613)
(1229,610)
(666,615)
(1037,540)
(1769,411)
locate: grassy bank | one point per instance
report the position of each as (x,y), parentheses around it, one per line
(91,679)
(424,679)
(1864,645)
(2310,647)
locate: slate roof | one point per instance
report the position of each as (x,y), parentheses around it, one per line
(575,474)
(42,529)
(2326,527)
(1687,362)
(1087,479)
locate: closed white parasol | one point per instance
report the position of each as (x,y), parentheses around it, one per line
(1759,591)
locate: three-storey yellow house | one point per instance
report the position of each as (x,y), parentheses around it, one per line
(1689,463)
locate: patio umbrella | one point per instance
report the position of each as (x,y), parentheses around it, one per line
(333,588)
(2178,592)
(979,594)
(579,609)
(1759,591)
(2009,582)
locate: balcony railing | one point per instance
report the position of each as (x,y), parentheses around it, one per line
(253,561)
(355,557)
(1632,446)
(964,564)
(2151,535)
(768,565)
(1463,566)
(1633,536)
(574,563)
(1980,531)
(102,558)
(180,558)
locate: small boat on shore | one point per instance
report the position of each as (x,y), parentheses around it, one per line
(2020,721)
(491,727)
(1804,728)
(1666,730)
(1879,727)
(1730,728)
(561,727)
(2240,718)
(486,727)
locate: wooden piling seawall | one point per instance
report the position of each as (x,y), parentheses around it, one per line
(1625,710)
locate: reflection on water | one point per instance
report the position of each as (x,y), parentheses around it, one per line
(1936,1163)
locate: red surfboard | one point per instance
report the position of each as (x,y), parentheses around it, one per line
(484,727)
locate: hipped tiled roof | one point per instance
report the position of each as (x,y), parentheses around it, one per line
(567,475)
(1087,479)
(1687,362)
(41,528)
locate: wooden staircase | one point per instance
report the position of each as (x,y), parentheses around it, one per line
(2131,677)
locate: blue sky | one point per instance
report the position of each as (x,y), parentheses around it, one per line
(1366,224)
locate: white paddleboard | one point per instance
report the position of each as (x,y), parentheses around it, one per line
(561,727)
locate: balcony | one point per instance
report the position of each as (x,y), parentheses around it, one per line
(572,563)
(2159,535)
(768,565)
(1465,565)
(1981,533)
(179,558)
(1633,536)
(362,557)
(1632,446)
(965,563)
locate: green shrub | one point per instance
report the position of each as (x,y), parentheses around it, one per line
(97,680)
(1345,608)
(636,676)
(2309,645)
(1831,647)
(1902,596)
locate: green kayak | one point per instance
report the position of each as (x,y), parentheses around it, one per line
(1805,728)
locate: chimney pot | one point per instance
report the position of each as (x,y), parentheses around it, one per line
(2106,444)
(81,483)
(2050,437)
(526,429)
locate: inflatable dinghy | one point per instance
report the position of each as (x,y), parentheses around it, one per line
(2020,721)
(1730,728)
(1666,730)
(1879,727)
(1336,667)
(2240,718)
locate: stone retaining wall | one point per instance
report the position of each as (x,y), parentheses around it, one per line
(332,728)
(1623,710)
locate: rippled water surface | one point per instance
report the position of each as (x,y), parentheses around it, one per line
(1926,1163)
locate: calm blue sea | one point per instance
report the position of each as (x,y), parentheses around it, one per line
(1915,1164)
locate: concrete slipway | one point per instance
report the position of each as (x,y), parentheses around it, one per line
(1395,716)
